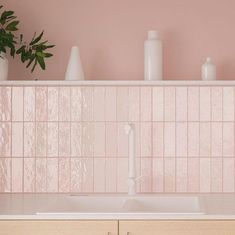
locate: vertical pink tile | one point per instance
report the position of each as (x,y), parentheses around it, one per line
(228,104)
(64,104)
(52,139)
(193,139)
(158,138)
(53,104)
(137,139)
(29,139)
(5,100)
(64,175)
(111,104)
(41,103)
(205,104)
(5,139)
(134,104)
(17,139)
(122,174)
(216,175)
(64,139)
(99,103)
(158,104)
(122,104)
(17,175)
(41,139)
(41,175)
(29,104)
(228,175)
(193,175)
(181,174)
(88,176)
(205,139)
(169,103)
(76,139)
(216,103)
(111,175)
(216,139)
(146,103)
(52,175)
(138,173)
(193,104)
(181,139)
(169,139)
(5,175)
(99,139)
(181,103)
(205,175)
(87,139)
(122,141)
(146,173)
(29,175)
(228,139)
(87,103)
(169,175)
(111,139)
(17,103)
(99,175)
(76,104)
(146,139)
(76,175)
(158,175)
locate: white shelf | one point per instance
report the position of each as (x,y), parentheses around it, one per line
(120,83)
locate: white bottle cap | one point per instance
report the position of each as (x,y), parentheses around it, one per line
(152,34)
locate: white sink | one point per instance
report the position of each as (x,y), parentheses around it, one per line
(123,204)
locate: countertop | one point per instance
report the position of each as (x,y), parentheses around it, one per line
(27,206)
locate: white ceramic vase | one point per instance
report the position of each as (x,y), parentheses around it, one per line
(74,70)
(4,64)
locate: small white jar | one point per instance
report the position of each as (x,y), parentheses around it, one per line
(208,70)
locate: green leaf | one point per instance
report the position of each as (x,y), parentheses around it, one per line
(41,62)
(30,61)
(37,39)
(47,55)
(12,26)
(40,54)
(35,64)
(5,16)
(20,50)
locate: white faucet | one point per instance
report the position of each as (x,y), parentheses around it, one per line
(130,131)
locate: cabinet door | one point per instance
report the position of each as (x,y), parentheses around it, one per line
(177,227)
(58,228)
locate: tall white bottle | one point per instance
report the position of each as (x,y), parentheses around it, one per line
(153,54)
(208,70)
(74,69)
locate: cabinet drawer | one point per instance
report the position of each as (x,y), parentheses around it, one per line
(58,227)
(177,227)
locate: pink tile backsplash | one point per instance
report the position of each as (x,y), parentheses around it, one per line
(72,139)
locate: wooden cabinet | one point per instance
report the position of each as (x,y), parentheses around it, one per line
(117,228)
(177,227)
(58,227)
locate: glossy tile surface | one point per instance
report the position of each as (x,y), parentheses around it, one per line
(72,139)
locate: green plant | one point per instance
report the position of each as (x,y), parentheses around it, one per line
(33,53)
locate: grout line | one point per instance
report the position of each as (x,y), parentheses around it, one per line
(22,190)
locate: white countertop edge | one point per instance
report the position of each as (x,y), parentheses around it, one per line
(118,83)
(117,217)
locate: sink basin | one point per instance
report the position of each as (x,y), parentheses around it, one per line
(165,204)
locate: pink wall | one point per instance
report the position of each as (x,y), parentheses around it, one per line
(110,34)
(72,139)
